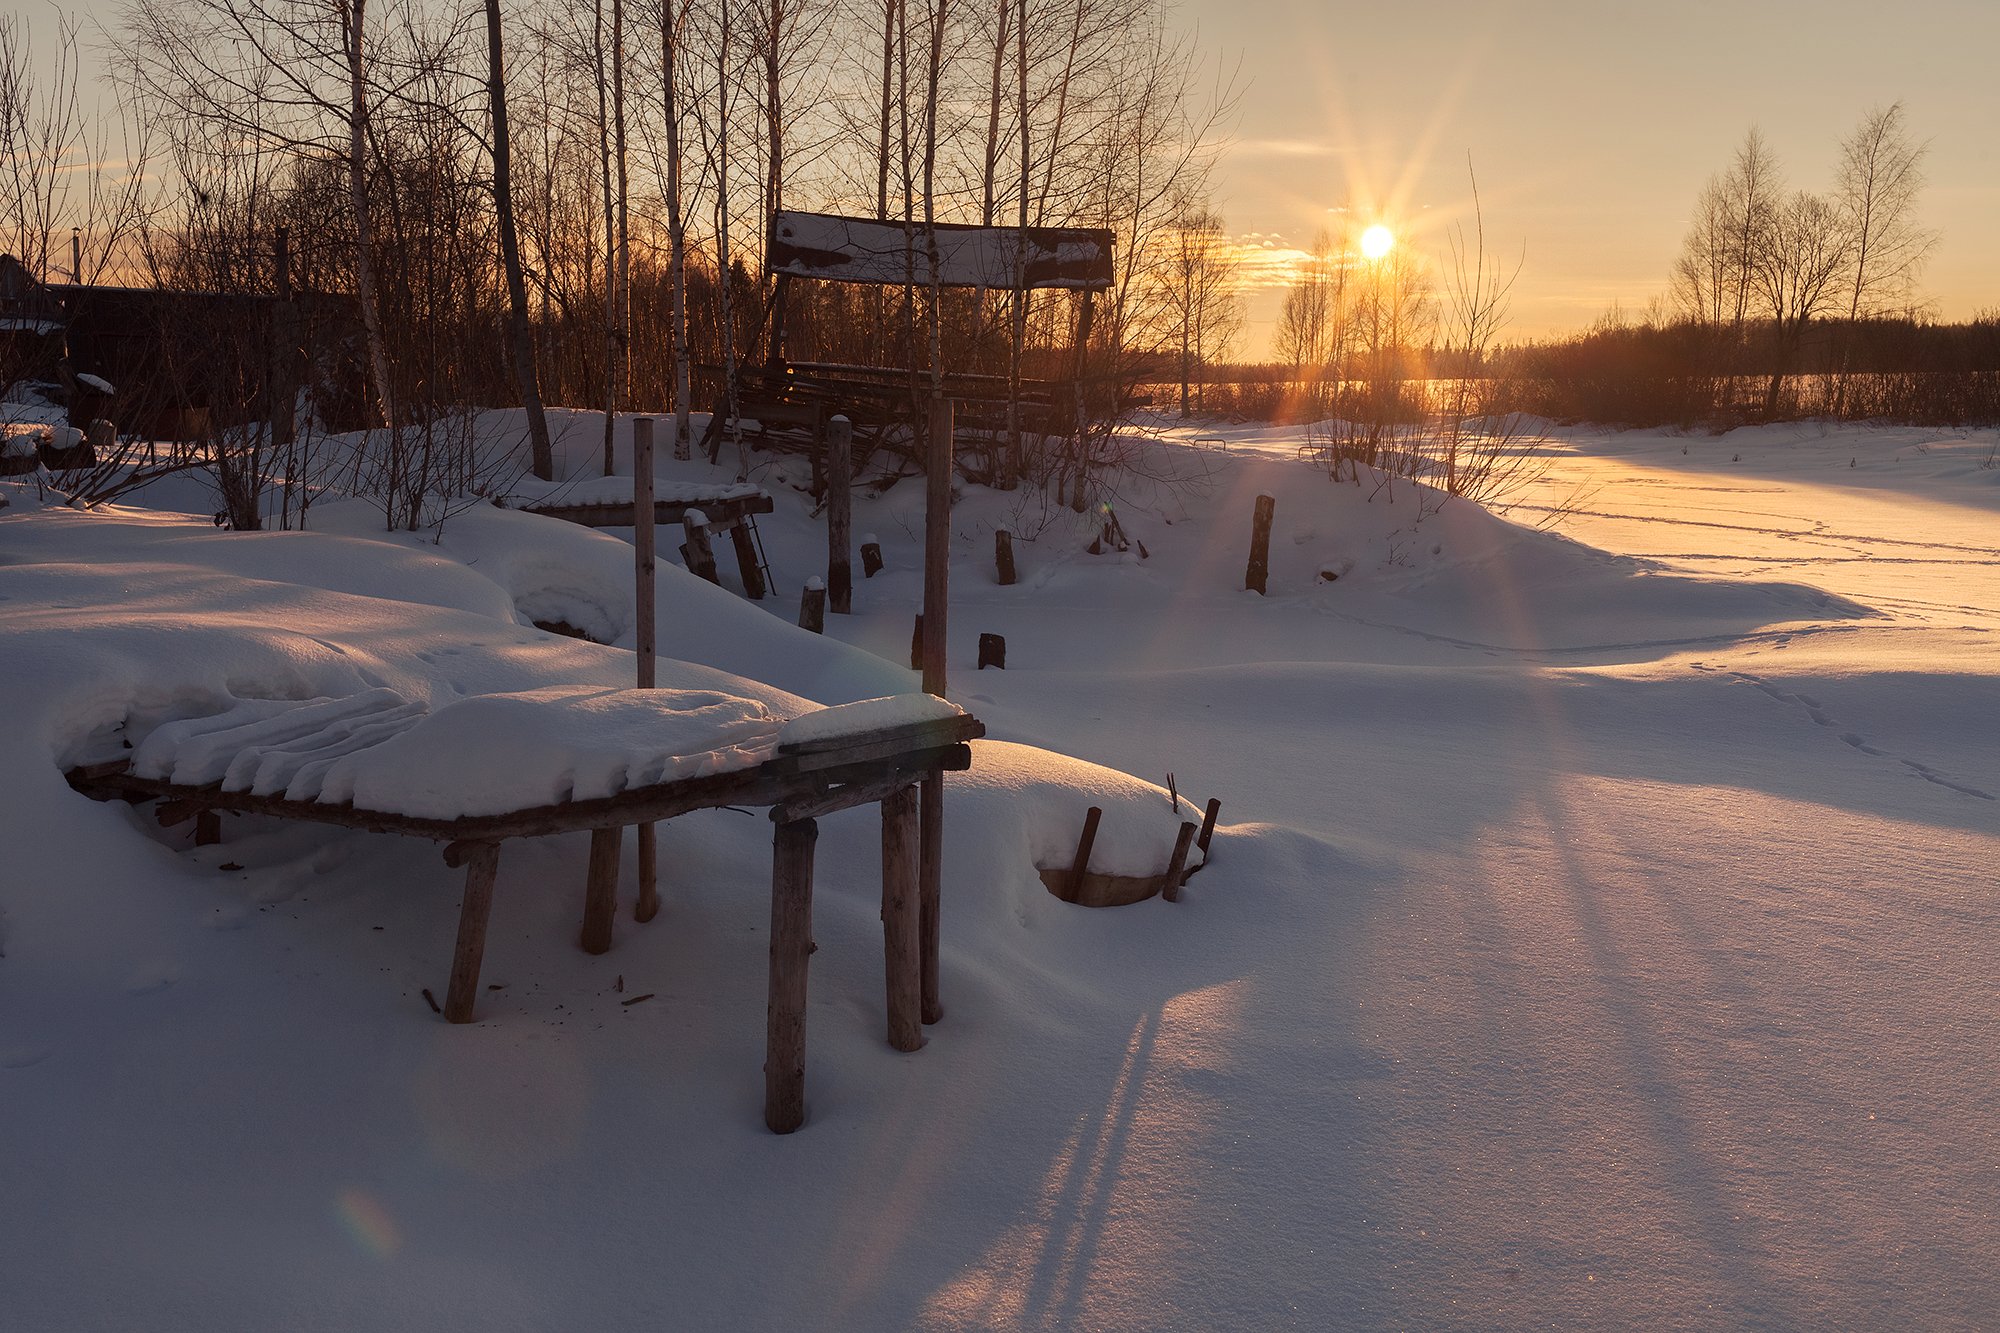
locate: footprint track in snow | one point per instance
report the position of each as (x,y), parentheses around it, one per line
(1818,713)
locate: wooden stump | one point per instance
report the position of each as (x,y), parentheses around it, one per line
(207,828)
(791,951)
(930,888)
(482,863)
(839,515)
(1208,824)
(1003,556)
(871,559)
(992,652)
(812,608)
(901,924)
(600,894)
(696,550)
(1258,574)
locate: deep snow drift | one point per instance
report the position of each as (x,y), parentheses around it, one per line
(1591,937)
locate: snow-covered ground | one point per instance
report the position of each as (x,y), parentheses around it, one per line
(1598,933)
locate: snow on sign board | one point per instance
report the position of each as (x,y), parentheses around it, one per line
(838,249)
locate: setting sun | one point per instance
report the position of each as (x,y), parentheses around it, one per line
(1376,241)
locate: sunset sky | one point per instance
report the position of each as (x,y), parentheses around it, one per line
(1592,124)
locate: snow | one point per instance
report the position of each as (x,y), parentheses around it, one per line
(1600,927)
(19,439)
(866,715)
(90,381)
(530,493)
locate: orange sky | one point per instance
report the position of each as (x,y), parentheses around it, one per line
(1592,124)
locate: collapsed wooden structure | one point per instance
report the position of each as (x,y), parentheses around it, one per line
(723,509)
(798,784)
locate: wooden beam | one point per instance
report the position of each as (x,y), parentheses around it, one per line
(746,562)
(845,797)
(791,951)
(600,894)
(930,882)
(1081,865)
(901,950)
(482,864)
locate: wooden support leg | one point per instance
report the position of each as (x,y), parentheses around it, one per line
(746,561)
(648,905)
(930,881)
(1170,884)
(600,894)
(482,863)
(791,949)
(207,828)
(901,951)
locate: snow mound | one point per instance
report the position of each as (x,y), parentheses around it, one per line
(1019,798)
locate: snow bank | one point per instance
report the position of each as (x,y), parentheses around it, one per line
(1020,798)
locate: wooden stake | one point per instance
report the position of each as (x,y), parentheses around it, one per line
(871,559)
(1208,824)
(1259,572)
(839,514)
(746,561)
(930,888)
(791,951)
(917,644)
(901,925)
(1081,866)
(1003,556)
(937,544)
(697,551)
(643,567)
(482,863)
(1171,886)
(600,894)
(648,905)
(992,652)
(207,828)
(812,607)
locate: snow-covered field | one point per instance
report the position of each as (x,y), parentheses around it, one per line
(1604,926)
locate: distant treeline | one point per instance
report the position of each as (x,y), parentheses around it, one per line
(1692,374)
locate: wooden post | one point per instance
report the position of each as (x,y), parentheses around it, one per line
(1003,556)
(791,951)
(1208,824)
(600,893)
(917,644)
(281,395)
(871,557)
(746,560)
(901,925)
(700,556)
(1171,887)
(992,651)
(937,544)
(642,543)
(482,863)
(812,607)
(645,571)
(930,888)
(839,514)
(1081,866)
(207,828)
(1259,572)
(648,905)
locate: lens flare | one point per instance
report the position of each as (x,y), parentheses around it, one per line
(1377,241)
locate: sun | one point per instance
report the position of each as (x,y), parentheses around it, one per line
(1377,241)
